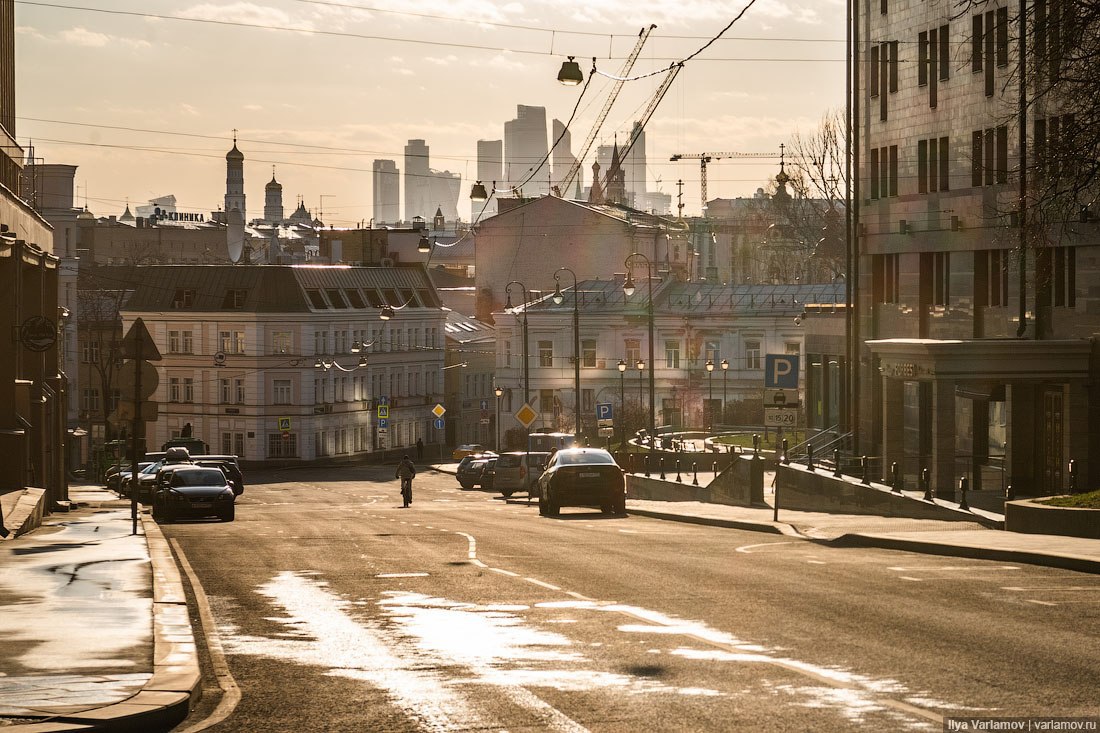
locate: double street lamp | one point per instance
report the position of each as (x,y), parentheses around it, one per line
(499,392)
(622,403)
(628,290)
(559,297)
(710,397)
(725,369)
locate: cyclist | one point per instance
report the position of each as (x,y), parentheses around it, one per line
(405,471)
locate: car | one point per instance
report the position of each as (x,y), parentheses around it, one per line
(116,476)
(582,477)
(488,474)
(466,450)
(518,471)
(470,469)
(147,479)
(228,465)
(193,491)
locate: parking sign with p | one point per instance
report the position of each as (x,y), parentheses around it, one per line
(781,371)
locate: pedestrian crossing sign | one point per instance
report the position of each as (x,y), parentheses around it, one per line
(284,424)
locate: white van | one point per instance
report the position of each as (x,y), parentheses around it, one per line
(518,471)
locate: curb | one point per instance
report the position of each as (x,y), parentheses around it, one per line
(745,524)
(929,547)
(166,699)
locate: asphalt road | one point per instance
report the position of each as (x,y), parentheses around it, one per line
(337,610)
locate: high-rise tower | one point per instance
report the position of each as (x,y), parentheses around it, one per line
(417,186)
(525,151)
(386,192)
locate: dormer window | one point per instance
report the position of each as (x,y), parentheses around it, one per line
(234,298)
(183,298)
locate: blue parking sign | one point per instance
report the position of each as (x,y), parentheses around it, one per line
(604,411)
(781,371)
(383,422)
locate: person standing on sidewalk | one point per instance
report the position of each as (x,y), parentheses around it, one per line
(419,450)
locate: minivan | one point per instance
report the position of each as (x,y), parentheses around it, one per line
(518,471)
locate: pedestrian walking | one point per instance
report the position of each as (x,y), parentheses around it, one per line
(406,471)
(419,450)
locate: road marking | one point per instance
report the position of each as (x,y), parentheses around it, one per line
(1041,603)
(1052,588)
(952,567)
(817,562)
(747,549)
(629,531)
(401,575)
(542,584)
(231,693)
(502,571)
(471,551)
(907,577)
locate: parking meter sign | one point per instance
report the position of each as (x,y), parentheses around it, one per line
(605,414)
(781,371)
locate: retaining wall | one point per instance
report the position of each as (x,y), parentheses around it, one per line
(1033,518)
(741,484)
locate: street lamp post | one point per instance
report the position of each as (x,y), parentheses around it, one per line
(622,403)
(641,400)
(499,392)
(725,370)
(526,364)
(558,298)
(710,398)
(628,290)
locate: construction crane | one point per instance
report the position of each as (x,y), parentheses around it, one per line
(705,158)
(624,72)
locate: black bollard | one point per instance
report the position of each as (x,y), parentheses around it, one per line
(695,470)
(866,478)
(1072,476)
(678,479)
(662,464)
(964,484)
(1010,493)
(926,481)
(630,462)
(755,444)
(786,457)
(714,469)
(895,473)
(836,462)
(646,460)
(810,456)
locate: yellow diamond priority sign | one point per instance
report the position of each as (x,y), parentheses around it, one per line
(526,415)
(438,410)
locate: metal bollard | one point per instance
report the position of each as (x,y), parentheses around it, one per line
(964,484)
(926,482)
(895,474)
(836,462)
(646,460)
(1072,476)
(810,457)
(714,468)
(662,464)
(755,444)
(786,456)
(678,479)
(630,462)
(866,478)
(695,470)
(1010,493)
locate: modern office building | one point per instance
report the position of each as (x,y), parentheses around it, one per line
(386,192)
(526,165)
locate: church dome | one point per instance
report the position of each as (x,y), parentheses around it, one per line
(273,185)
(234,154)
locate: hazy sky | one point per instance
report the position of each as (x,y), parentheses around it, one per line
(320,88)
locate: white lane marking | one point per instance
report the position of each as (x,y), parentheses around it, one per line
(471,552)
(817,562)
(502,571)
(1041,603)
(401,575)
(231,693)
(578,596)
(629,531)
(1052,588)
(747,549)
(542,584)
(908,577)
(927,568)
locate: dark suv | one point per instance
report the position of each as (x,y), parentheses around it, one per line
(229,466)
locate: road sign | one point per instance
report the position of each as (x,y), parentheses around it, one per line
(485,404)
(383,423)
(781,371)
(605,414)
(126,377)
(138,341)
(781,398)
(779,417)
(438,410)
(606,432)
(438,423)
(383,400)
(526,415)
(284,424)
(383,431)
(383,412)
(484,421)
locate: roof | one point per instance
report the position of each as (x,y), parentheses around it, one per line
(280,288)
(463,329)
(618,212)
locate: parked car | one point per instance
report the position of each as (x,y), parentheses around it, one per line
(488,474)
(193,491)
(147,479)
(116,476)
(470,469)
(228,465)
(466,450)
(582,477)
(518,471)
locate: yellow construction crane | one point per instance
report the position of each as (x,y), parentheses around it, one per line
(705,158)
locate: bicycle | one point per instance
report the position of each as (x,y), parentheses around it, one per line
(406,491)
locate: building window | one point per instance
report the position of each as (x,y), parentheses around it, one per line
(173,389)
(884,172)
(633,348)
(547,402)
(234,298)
(712,352)
(89,352)
(1054,140)
(280,342)
(672,354)
(989,157)
(183,298)
(941,278)
(232,342)
(180,342)
(320,342)
(752,354)
(883,73)
(588,353)
(991,278)
(90,400)
(281,392)
(886,277)
(508,353)
(283,445)
(546,353)
(933,165)
(989,43)
(188,390)
(793,348)
(1056,271)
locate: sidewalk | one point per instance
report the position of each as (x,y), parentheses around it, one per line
(935,537)
(95,621)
